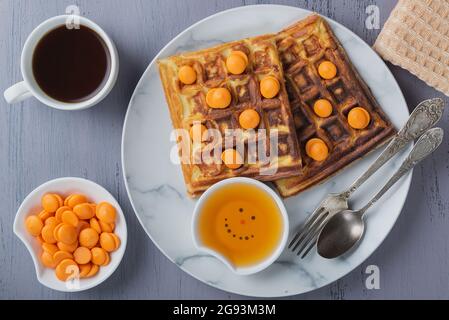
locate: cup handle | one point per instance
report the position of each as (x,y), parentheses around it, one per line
(17,92)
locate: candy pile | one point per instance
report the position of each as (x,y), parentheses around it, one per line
(76,236)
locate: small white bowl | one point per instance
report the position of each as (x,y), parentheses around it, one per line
(32,205)
(264,263)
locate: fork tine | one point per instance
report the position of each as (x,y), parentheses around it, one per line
(306,234)
(311,245)
(310,233)
(304,229)
(309,220)
(313,238)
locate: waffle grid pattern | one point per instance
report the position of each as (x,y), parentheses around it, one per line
(302,47)
(188,105)
(416,37)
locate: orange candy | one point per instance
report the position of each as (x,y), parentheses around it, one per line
(218,98)
(75,199)
(70,218)
(34,225)
(93,271)
(66,200)
(236,62)
(322,108)
(327,70)
(358,118)
(56,229)
(67,247)
(108,259)
(50,202)
(47,259)
(84,211)
(82,225)
(109,241)
(69,234)
(88,238)
(317,149)
(66,268)
(106,227)
(232,159)
(40,240)
(51,221)
(106,212)
(82,255)
(58,214)
(187,75)
(59,198)
(44,215)
(197,132)
(61,255)
(47,233)
(85,269)
(241,54)
(50,248)
(269,87)
(249,119)
(116,240)
(99,256)
(94,224)
(66,234)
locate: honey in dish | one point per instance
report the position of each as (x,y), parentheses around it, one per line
(242,223)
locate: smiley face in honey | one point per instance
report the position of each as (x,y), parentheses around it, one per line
(242,223)
(239,224)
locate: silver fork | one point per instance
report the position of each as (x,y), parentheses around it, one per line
(426,115)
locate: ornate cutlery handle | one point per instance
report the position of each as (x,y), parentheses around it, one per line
(427,144)
(425,115)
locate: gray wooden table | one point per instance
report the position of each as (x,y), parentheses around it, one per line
(38,143)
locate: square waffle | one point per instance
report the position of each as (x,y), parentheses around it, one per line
(302,47)
(187,104)
(416,38)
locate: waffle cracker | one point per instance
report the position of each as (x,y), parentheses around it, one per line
(187,105)
(416,38)
(302,47)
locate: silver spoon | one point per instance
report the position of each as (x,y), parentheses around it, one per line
(344,229)
(426,114)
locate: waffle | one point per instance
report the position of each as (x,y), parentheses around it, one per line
(302,47)
(416,38)
(187,105)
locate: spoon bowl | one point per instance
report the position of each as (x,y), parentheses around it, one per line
(345,228)
(341,233)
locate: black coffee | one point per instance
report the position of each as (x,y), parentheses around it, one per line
(71,65)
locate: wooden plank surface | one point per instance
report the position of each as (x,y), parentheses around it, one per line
(38,143)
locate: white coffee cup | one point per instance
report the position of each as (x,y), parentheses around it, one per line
(29,87)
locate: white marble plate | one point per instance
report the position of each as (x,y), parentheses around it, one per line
(156,188)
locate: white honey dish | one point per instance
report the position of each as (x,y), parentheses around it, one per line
(246,270)
(32,205)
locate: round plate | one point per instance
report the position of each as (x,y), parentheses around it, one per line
(156,188)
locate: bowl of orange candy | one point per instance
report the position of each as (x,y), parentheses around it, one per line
(75,232)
